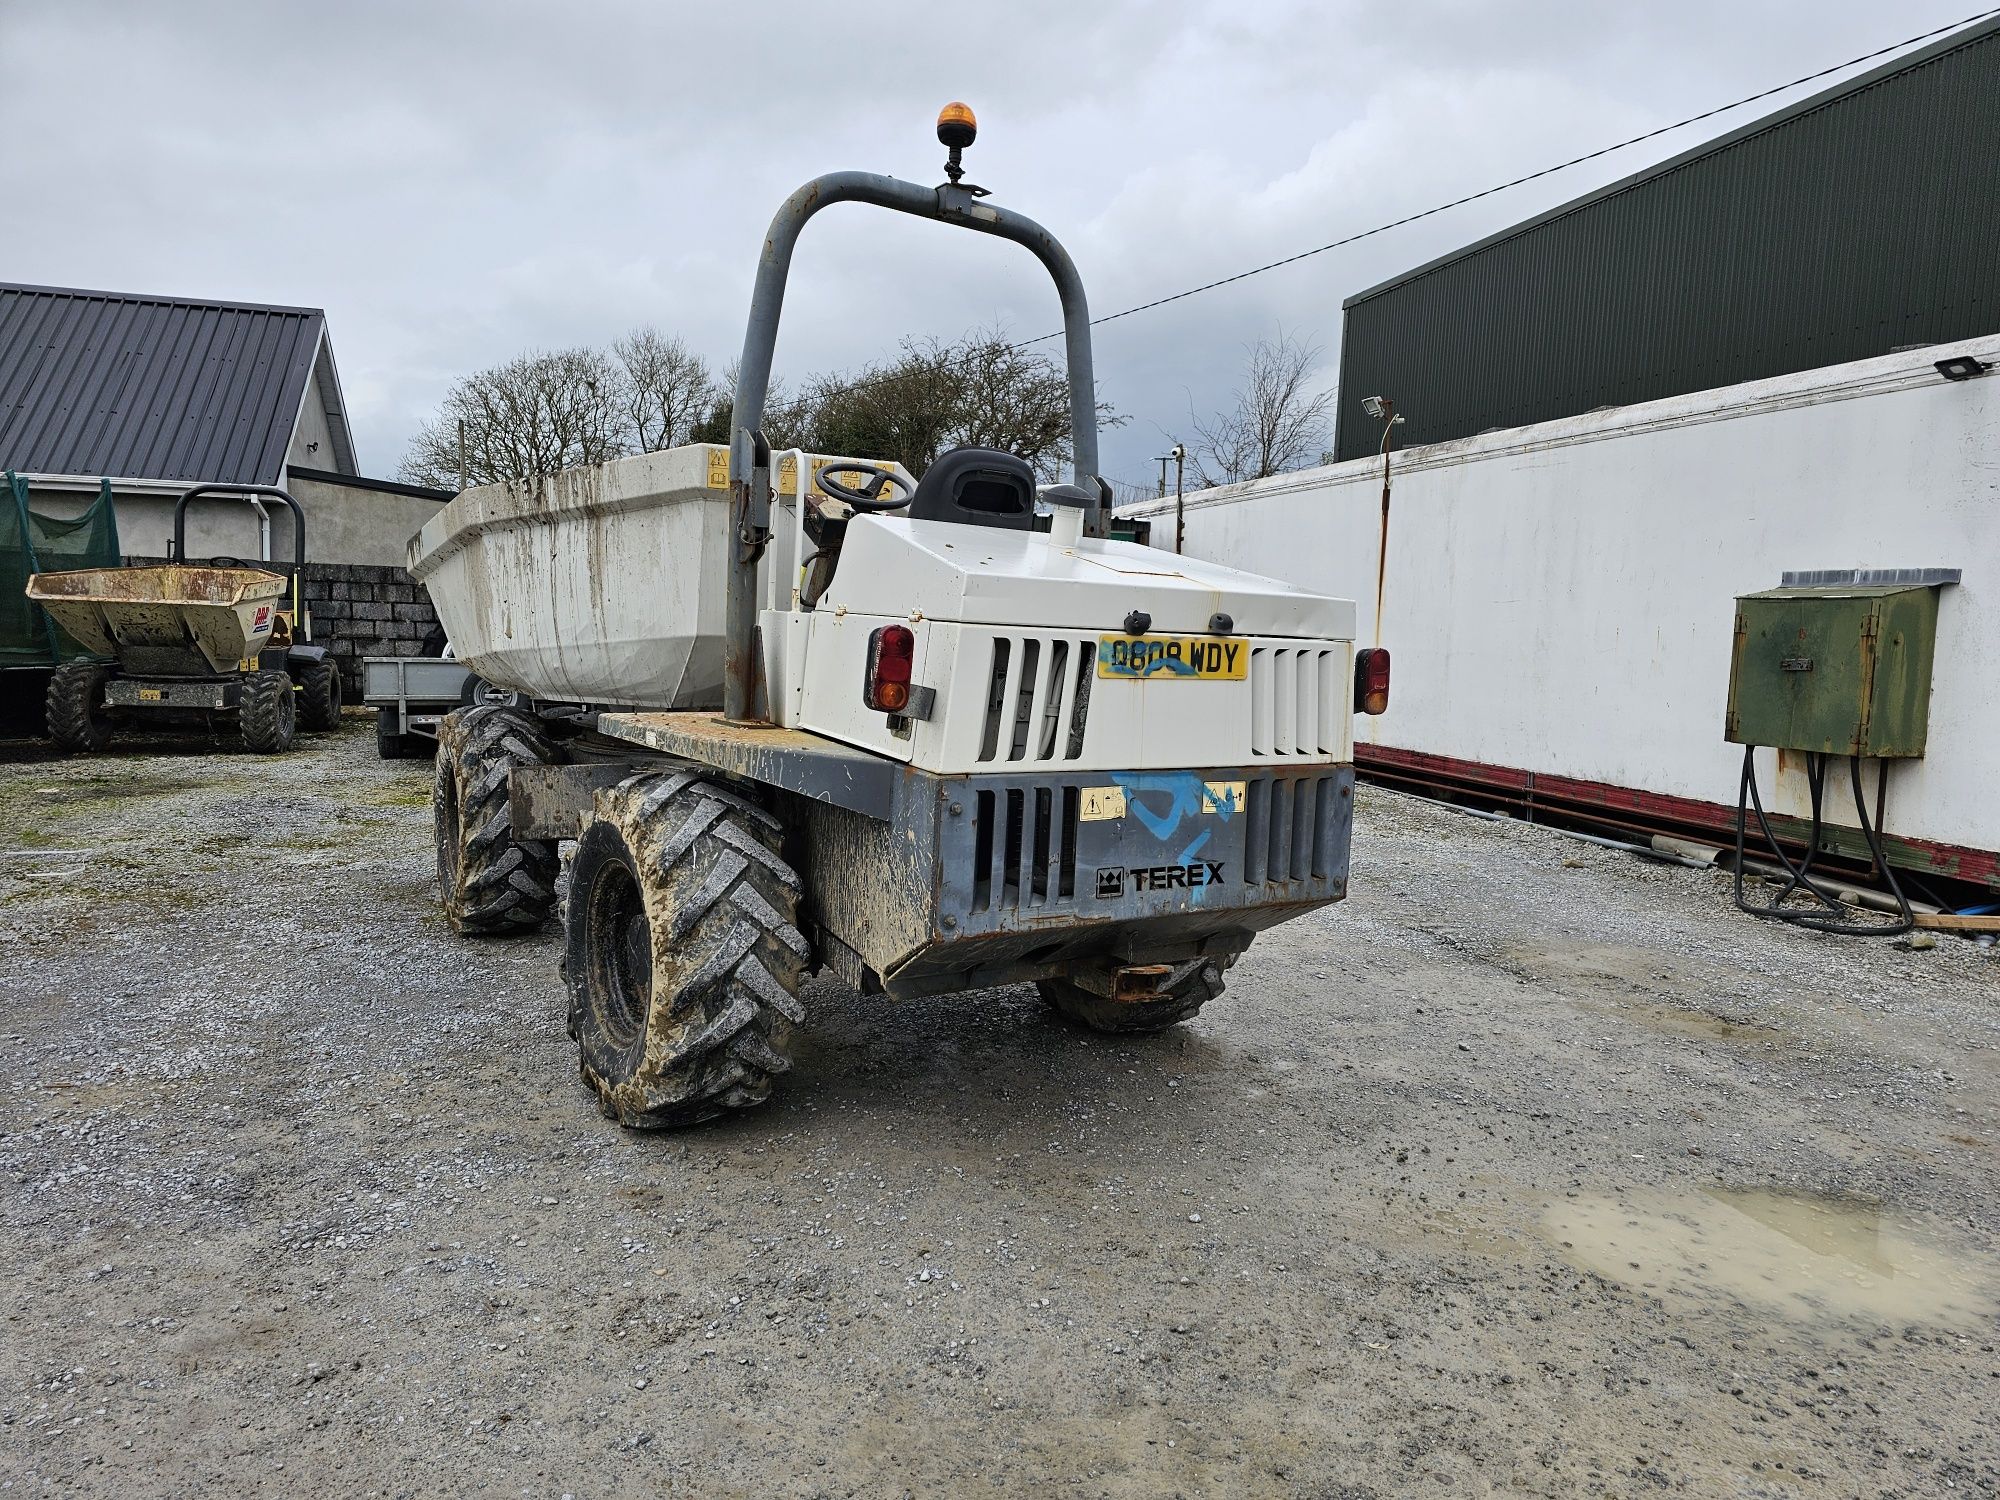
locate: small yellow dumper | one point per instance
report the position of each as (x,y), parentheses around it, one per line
(182,641)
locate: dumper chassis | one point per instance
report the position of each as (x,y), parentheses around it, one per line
(720,858)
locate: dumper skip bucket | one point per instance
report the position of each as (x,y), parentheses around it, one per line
(171,620)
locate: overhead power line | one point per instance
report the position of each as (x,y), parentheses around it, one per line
(1707,114)
(862,383)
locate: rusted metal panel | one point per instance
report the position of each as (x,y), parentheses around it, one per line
(173,619)
(1630,810)
(554,802)
(870,883)
(212,697)
(992,879)
(790,759)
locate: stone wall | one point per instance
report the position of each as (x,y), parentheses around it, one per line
(366,609)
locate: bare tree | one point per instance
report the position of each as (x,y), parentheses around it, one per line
(979,390)
(1018,402)
(534,415)
(545,412)
(717,422)
(1278,423)
(668,388)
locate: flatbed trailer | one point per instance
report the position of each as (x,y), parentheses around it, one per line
(410,696)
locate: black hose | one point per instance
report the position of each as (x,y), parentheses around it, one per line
(1831,915)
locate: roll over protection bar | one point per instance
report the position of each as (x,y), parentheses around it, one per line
(178,550)
(749,455)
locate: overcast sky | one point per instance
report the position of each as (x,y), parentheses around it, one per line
(457,183)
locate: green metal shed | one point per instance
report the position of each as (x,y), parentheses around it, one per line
(1858,221)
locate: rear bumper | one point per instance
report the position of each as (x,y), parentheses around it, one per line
(993,879)
(214,695)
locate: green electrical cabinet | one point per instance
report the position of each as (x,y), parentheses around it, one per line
(1842,670)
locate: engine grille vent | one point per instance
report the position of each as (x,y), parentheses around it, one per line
(1295,702)
(1289,829)
(1037,699)
(1024,847)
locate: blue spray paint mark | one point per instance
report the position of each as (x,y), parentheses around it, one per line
(1185,791)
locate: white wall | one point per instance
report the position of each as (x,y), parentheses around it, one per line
(1559,598)
(344,523)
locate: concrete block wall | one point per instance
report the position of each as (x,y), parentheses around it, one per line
(366,609)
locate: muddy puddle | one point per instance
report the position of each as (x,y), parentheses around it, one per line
(1799,1256)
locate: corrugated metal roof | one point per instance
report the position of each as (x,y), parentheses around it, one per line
(150,387)
(1855,222)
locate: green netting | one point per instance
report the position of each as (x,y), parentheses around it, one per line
(34,543)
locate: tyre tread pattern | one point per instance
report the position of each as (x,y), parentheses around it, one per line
(503,883)
(728,958)
(77,720)
(266,714)
(319,695)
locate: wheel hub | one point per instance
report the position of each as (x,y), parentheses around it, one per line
(620,946)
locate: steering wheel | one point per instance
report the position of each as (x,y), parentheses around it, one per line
(871,499)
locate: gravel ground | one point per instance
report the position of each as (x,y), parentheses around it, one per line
(1533,1169)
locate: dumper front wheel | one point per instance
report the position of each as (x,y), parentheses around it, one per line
(1185,991)
(78,720)
(683,955)
(489,880)
(267,715)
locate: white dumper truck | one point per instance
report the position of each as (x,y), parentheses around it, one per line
(800,712)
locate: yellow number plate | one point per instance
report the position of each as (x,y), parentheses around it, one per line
(1181,658)
(152,695)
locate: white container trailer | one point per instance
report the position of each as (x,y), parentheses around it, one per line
(1560,597)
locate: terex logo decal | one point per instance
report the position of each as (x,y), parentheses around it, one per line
(1187,877)
(1177,877)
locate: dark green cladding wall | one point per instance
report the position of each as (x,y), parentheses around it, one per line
(1858,221)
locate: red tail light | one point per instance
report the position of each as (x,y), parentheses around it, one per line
(892,651)
(1371,680)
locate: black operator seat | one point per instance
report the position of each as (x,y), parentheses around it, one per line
(977,487)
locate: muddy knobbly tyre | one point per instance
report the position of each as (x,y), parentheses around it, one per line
(488,880)
(319,695)
(683,956)
(1186,991)
(77,718)
(267,713)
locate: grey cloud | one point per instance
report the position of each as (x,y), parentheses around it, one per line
(455,183)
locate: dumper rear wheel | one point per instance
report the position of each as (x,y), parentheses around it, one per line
(78,719)
(1186,991)
(267,713)
(489,880)
(683,954)
(391,743)
(319,695)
